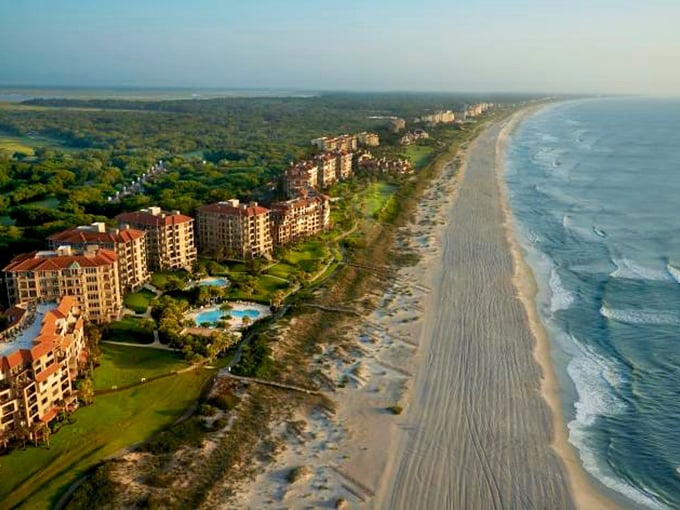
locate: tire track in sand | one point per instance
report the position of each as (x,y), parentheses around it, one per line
(479,432)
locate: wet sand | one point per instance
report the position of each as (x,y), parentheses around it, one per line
(478,433)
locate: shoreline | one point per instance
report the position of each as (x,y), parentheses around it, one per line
(584,494)
(355,457)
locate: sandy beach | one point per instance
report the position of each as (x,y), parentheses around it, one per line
(455,342)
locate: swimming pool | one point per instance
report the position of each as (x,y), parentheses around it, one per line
(216,281)
(213,315)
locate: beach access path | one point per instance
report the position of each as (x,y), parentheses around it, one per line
(477,433)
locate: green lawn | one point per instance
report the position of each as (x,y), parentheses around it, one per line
(376,196)
(419,155)
(236,267)
(282,270)
(265,286)
(139,301)
(129,329)
(122,365)
(36,477)
(161,279)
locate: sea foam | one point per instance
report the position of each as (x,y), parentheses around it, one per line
(626,268)
(596,379)
(635,316)
(674,272)
(560,298)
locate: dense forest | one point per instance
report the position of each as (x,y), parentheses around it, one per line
(213,150)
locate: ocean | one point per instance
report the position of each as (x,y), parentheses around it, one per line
(595,190)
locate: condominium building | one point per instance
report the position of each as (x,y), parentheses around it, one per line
(386,166)
(91,276)
(300,176)
(41,353)
(368,139)
(234,230)
(128,243)
(336,143)
(440,117)
(343,165)
(169,237)
(301,217)
(396,124)
(414,136)
(478,109)
(327,164)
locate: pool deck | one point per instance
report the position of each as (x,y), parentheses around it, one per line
(235,323)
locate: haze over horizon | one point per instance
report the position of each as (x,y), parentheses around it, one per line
(599,46)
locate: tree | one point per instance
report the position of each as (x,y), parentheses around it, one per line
(86,391)
(276,300)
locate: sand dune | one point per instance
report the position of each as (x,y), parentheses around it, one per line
(477,433)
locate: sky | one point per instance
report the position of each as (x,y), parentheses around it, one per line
(546,46)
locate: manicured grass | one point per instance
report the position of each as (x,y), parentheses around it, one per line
(36,477)
(160,279)
(237,267)
(376,196)
(265,286)
(282,270)
(419,155)
(122,365)
(129,329)
(139,301)
(305,255)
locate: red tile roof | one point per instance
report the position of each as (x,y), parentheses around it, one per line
(33,262)
(45,344)
(52,369)
(76,236)
(151,220)
(50,415)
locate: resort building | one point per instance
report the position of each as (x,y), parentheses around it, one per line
(385,165)
(368,139)
(336,143)
(414,136)
(300,176)
(343,165)
(234,230)
(301,217)
(91,276)
(128,243)
(397,125)
(170,240)
(440,117)
(326,164)
(478,109)
(41,353)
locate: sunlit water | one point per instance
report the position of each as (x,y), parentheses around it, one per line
(595,189)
